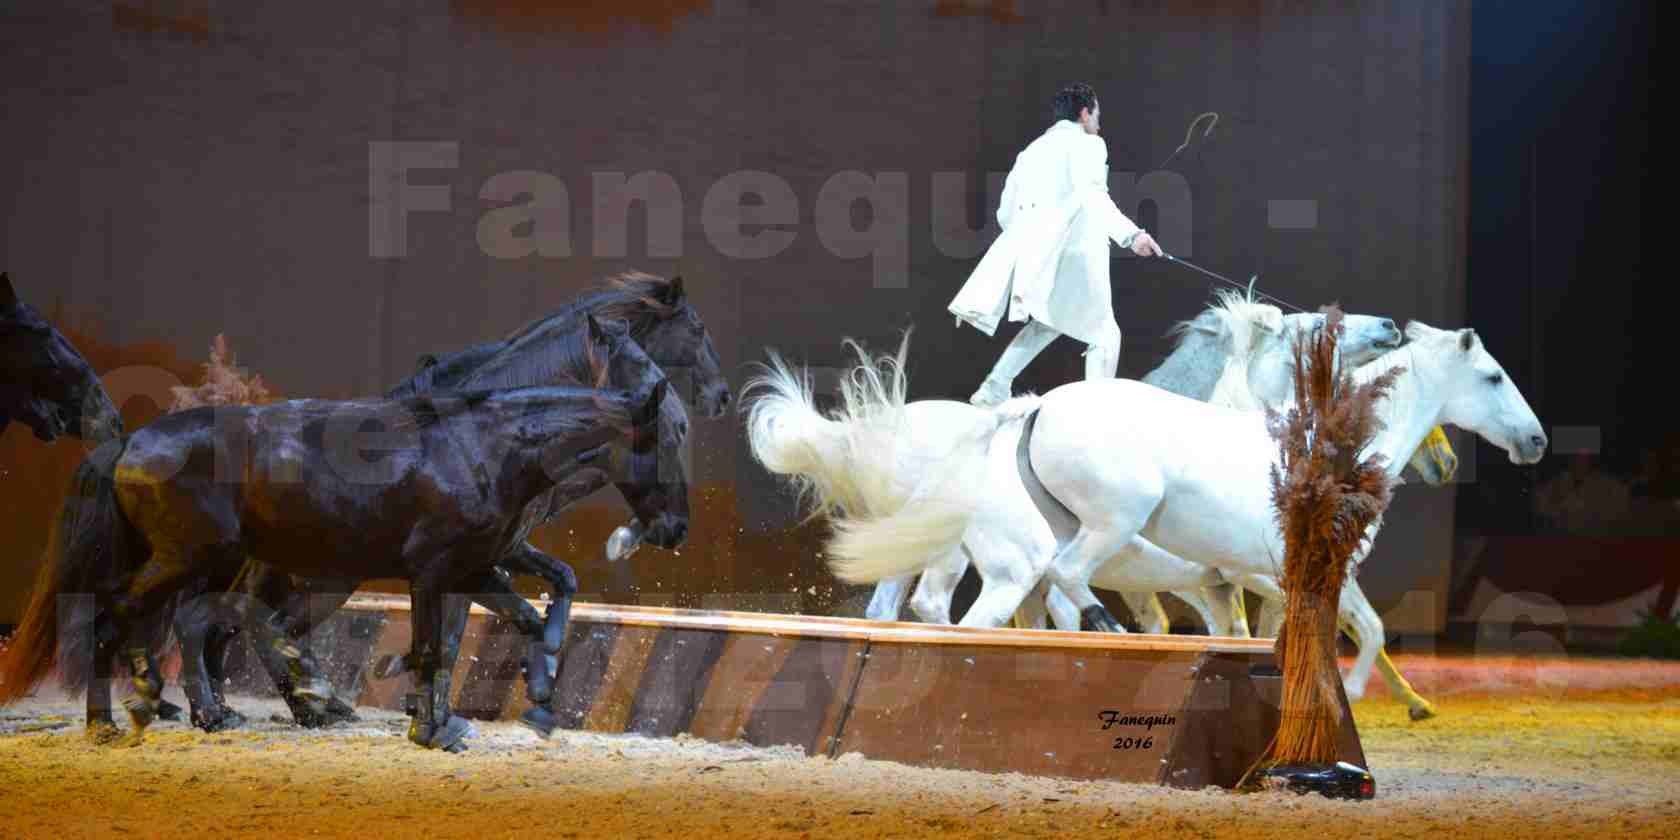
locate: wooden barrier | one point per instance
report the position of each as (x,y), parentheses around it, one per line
(1185,711)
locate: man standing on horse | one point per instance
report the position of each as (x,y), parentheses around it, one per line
(1049,267)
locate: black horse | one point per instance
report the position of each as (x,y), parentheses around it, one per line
(660,319)
(200,493)
(44,382)
(300,604)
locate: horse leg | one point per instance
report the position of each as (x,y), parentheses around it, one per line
(1063,611)
(547,636)
(1219,606)
(932,600)
(1416,706)
(888,600)
(193,628)
(1239,612)
(1034,614)
(152,586)
(547,631)
(215,666)
(1272,603)
(101,726)
(1146,608)
(1361,621)
(1111,504)
(1089,613)
(1011,563)
(1198,602)
(284,614)
(432,726)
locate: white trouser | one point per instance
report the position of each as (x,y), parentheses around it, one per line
(1102,359)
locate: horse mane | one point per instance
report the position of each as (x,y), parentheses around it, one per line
(1244,317)
(1233,315)
(429,408)
(1422,333)
(571,358)
(1244,323)
(612,411)
(634,297)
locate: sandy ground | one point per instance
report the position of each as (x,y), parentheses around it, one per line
(1559,763)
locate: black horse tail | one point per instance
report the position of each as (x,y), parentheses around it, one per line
(88,549)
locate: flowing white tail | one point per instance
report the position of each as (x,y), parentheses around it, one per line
(895,503)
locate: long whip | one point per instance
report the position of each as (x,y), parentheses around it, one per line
(1248,287)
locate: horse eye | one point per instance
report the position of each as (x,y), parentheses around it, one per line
(1495,378)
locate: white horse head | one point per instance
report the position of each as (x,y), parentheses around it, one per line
(1263,339)
(1473,389)
(1364,337)
(1271,373)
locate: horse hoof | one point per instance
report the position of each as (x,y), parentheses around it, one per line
(229,719)
(1424,710)
(131,740)
(168,711)
(140,712)
(1098,618)
(450,735)
(315,691)
(103,733)
(540,721)
(339,711)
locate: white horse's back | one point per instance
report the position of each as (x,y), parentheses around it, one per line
(1145,446)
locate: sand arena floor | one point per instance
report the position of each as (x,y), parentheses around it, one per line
(1567,749)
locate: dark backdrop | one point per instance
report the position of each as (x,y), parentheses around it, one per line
(179,168)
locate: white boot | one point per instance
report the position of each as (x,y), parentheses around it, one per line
(1028,343)
(992,393)
(1102,360)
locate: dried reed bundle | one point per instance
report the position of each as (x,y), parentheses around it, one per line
(1325,498)
(225,383)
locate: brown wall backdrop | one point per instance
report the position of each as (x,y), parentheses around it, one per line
(179,168)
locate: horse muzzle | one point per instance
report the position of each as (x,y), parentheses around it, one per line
(1528,448)
(46,420)
(666,532)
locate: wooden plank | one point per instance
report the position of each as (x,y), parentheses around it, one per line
(875,632)
(1184,711)
(1058,712)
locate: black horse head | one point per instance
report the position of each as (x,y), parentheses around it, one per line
(600,353)
(669,328)
(44,382)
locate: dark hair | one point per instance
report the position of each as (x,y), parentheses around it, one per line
(1072,99)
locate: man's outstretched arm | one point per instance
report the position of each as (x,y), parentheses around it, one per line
(1090,177)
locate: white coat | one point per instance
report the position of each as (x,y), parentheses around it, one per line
(1050,263)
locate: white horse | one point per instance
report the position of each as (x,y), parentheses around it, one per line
(812,449)
(1236,352)
(1128,470)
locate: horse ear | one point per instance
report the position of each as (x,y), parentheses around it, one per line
(596,331)
(674,293)
(1467,339)
(8,297)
